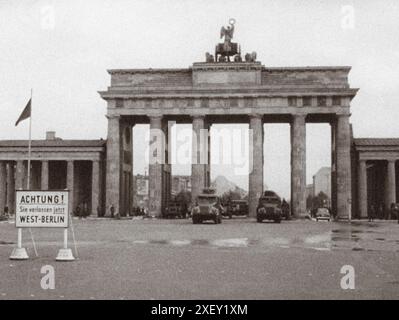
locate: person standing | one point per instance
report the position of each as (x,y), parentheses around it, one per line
(380,211)
(85,210)
(77,212)
(371,213)
(391,214)
(112,210)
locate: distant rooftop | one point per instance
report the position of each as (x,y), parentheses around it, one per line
(53,141)
(376,141)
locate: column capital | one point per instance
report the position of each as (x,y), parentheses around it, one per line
(155,117)
(391,160)
(299,116)
(113,116)
(255,116)
(197,116)
(156,122)
(343,115)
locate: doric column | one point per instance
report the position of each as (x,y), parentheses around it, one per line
(391,184)
(3,186)
(298,166)
(255,186)
(343,167)
(70,184)
(208,165)
(333,169)
(113,172)
(198,166)
(19,181)
(10,187)
(44,177)
(167,167)
(155,167)
(95,187)
(362,188)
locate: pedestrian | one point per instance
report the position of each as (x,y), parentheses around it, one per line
(77,212)
(112,210)
(285,207)
(85,210)
(184,209)
(392,211)
(99,214)
(371,213)
(380,211)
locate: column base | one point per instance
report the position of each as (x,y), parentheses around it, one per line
(65,255)
(19,254)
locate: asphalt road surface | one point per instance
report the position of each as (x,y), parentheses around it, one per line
(174,259)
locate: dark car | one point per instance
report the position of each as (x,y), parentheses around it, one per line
(208,207)
(174,209)
(269,207)
(237,208)
(323,214)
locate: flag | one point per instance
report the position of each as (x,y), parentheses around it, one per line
(26,113)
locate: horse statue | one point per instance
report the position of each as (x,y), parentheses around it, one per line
(250,57)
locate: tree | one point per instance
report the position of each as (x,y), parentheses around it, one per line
(184,197)
(230,195)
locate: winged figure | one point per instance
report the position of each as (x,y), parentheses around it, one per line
(227,33)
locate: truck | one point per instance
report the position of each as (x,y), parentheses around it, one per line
(175,209)
(237,208)
(269,207)
(207,207)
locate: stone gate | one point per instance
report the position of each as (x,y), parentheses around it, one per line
(228,92)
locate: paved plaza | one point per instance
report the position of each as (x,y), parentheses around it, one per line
(174,259)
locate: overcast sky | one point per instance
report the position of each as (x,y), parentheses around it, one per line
(63,48)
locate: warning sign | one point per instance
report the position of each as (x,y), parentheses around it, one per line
(41,209)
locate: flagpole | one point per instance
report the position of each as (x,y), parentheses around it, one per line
(20,253)
(29,156)
(30,139)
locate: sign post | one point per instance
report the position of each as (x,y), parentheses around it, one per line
(42,209)
(65,254)
(19,253)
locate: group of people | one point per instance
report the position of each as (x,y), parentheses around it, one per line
(82,210)
(136,211)
(381,213)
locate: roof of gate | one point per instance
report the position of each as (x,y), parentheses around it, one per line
(53,143)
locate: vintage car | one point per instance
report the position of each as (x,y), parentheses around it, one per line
(323,214)
(207,207)
(237,208)
(269,207)
(174,209)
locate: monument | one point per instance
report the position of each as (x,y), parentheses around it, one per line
(223,91)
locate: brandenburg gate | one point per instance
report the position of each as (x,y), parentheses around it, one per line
(223,91)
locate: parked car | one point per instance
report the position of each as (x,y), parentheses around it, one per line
(269,207)
(207,207)
(174,209)
(237,208)
(323,214)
